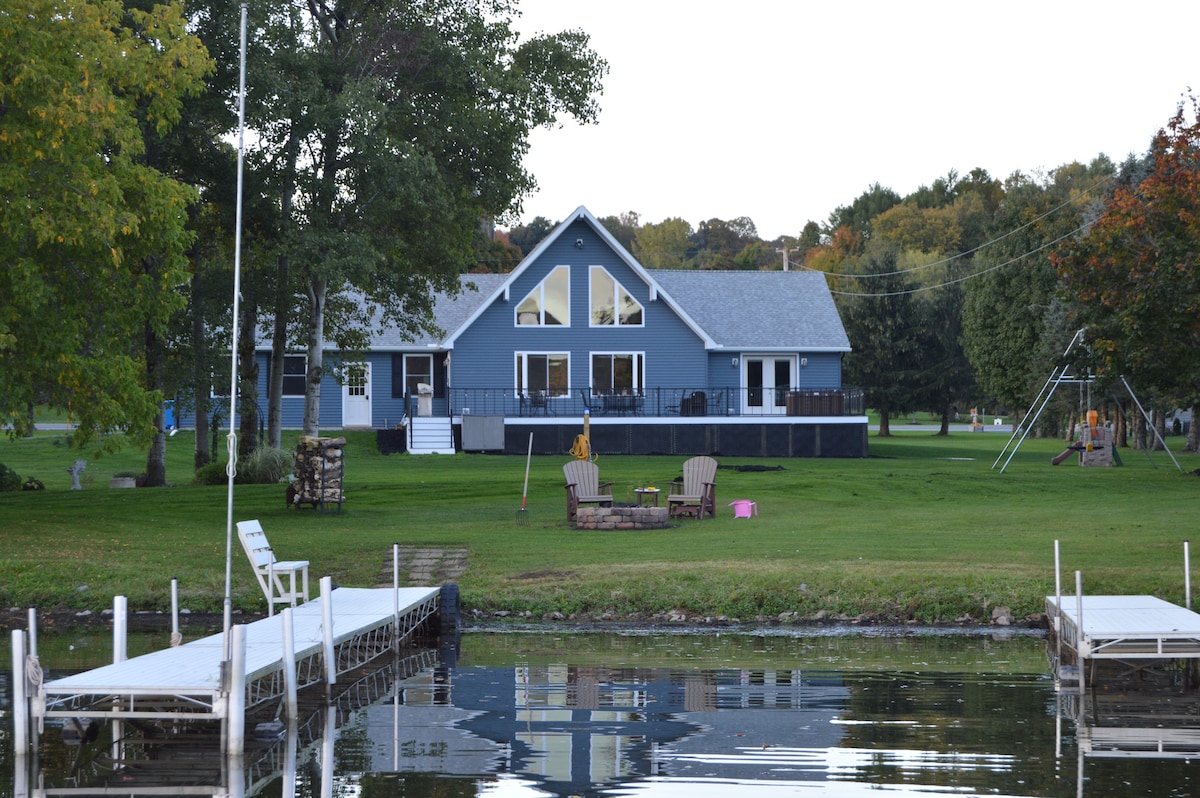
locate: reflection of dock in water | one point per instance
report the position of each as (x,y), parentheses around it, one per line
(190,759)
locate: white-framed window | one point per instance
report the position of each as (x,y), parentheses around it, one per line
(618,373)
(611,305)
(549,303)
(544,373)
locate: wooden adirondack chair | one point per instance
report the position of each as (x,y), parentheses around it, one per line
(584,486)
(697,493)
(269,571)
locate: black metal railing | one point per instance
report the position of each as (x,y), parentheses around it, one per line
(659,402)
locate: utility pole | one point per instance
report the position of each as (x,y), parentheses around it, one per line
(785,252)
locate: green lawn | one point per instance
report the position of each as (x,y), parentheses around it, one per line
(924,529)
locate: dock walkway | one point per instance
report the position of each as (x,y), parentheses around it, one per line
(187,681)
(1124,628)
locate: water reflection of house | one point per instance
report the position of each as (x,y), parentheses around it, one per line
(570,728)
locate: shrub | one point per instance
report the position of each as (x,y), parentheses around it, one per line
(265,466)
(33,484)
(9,479)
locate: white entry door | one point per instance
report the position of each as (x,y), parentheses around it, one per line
(767,380)
(356,396)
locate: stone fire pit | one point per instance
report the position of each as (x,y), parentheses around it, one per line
(621,518)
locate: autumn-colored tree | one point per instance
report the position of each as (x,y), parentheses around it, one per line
(84,217)
(1135,274)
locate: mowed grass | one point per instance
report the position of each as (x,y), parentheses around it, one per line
(923,530)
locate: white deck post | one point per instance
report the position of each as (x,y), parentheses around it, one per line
(1187,576)
(289,665)
(20,700)
(120,620)
(235,699)
(32,625)
(176,638)
(396,592)
(327,630)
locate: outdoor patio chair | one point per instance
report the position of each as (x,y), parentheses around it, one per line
(584,487)
(697,493)
(271,572)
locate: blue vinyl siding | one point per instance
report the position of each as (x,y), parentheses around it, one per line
(484,355)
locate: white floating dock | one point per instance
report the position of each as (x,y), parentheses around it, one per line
(1123,628)
(190,681)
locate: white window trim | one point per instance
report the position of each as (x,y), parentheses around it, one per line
(521,381)
(618,287)
(540,290)
(637,356)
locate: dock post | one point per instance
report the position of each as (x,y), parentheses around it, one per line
(176,638)
(289,665)
(1079,654)
(327,631)
(1187,575)
(235,699)
(20,699)
(120,621)
(396,594)
(32,625)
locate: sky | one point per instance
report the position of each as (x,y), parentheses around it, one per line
(783,110)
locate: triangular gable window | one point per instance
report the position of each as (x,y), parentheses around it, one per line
(549,303)
(612,305)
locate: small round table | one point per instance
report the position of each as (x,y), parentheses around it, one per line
(647,494)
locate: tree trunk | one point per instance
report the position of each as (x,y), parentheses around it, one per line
(247,402)
(885,428)
(156,457)
(315,369)
(283,296)
(1139,432)
(945,429)
(201,375)
(1193,433)
(1159,421)
(1121,427)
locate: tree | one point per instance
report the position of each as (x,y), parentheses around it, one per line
(92,237)
(528,236)
(664,245)
(884,324)
(859,214)
(1014,320)
(390,129)
(1135,275)
(624,228)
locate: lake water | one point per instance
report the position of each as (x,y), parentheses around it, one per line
(536,713)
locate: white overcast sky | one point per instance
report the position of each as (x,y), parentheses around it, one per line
(782,110)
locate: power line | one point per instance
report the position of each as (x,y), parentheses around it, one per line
(1085,192)
(966,277)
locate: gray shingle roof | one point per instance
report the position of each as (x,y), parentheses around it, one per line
(450,314)
(790,310)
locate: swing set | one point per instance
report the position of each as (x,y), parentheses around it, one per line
(1094,445)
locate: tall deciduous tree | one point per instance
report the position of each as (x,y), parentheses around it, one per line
(664,245)
(1135,272)
(394,127)
(83,215)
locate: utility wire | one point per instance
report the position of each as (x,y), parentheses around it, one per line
(1085,192)
(966,277)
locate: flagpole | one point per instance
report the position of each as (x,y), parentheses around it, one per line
(231,440)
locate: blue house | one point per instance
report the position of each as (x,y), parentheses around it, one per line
(659,361)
